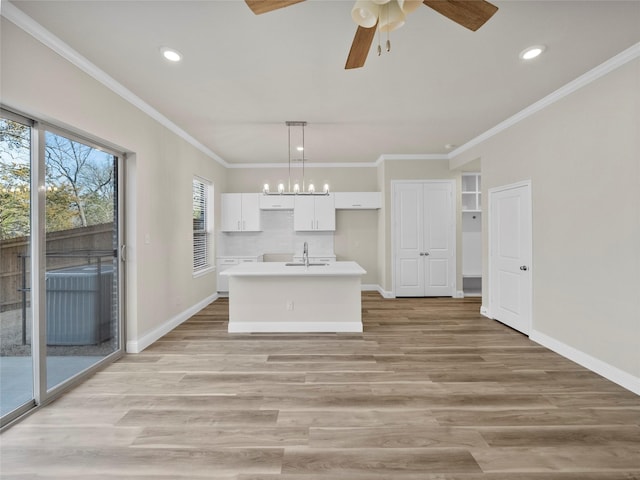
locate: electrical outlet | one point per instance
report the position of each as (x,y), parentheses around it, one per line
(290,305)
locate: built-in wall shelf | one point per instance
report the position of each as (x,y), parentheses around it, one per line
(471,196)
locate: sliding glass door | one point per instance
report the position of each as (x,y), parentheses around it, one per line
(81,244)
(16,360)
(60,275)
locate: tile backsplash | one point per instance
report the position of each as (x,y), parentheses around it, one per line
(277,237)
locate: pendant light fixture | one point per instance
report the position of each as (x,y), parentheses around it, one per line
(297,190)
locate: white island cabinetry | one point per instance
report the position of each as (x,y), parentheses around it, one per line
(314,213)
(276,297)
(222,263)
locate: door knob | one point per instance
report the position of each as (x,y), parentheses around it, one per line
(524,268)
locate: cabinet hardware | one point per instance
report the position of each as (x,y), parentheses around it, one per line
(524,268)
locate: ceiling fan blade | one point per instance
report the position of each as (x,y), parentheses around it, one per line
(471,14)
(360,47)
(263,6)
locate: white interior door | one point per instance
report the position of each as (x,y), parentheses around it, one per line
(424,239)
(409,265)
(510,256)
(439,238)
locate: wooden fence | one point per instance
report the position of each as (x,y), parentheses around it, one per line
(14,257)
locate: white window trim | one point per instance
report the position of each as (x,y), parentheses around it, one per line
(209,227)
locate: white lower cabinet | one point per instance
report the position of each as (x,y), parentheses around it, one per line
(222,263)
(317,259)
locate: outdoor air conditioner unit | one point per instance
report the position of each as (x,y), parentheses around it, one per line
(79,305)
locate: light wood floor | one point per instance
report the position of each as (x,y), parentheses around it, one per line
(431,391)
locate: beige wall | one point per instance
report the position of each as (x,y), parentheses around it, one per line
(160,286)
(582,155)
(354,179)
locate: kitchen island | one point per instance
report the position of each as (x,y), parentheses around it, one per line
(282,297)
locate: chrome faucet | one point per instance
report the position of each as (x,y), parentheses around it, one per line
(305,254)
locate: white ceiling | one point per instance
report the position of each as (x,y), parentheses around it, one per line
(244,75)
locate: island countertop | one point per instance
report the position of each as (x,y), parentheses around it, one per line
(281,269)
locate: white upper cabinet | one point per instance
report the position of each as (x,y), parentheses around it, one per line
(314,213)
(240,212)
(471,199)
(276,202)
(358,200)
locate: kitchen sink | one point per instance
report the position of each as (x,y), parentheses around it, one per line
(295,264)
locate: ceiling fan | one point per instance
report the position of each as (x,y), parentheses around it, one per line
(386,15)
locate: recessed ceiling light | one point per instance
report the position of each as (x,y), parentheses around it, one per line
(532,52)
(450,146)
(171,54)
(300,149)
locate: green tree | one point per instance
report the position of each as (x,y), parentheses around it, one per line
(14,200)
(79,181)
(14,179)
(83,173)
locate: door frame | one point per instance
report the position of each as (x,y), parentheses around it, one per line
(490,281)
(42,395)
(454,227)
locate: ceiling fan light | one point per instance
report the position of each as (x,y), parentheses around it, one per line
(408,6)
(391,17)
(365,13)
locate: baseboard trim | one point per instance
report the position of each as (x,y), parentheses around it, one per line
(300,327)
(484,311)
(614,374)
(385,293)
(137,346)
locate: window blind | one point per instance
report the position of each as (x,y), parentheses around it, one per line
(200,227)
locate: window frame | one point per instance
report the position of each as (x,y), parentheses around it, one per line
(202,266)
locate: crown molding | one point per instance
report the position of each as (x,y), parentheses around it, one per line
(386,157)
(592,75)
(306,165)
(44,36)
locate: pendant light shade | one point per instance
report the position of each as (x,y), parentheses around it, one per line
(408,6)
(391,17)
(365,13)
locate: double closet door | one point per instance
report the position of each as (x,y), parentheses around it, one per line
(424,238)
